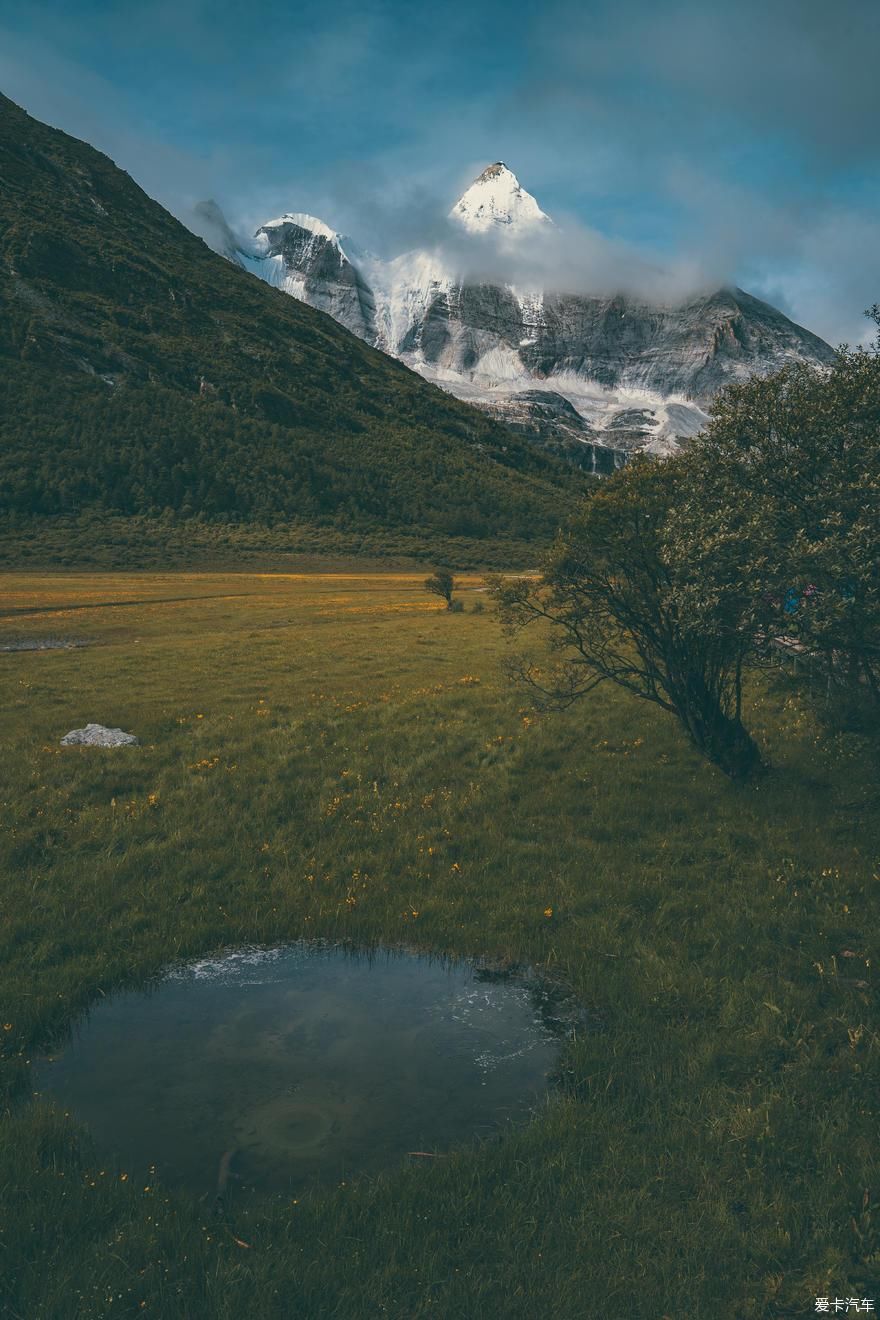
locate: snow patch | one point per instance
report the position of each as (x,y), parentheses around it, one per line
(496,200)
(270,268)
(303,221)
(404,290)
(496,380)
(500,363)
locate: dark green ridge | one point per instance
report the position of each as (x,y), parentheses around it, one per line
(143,375)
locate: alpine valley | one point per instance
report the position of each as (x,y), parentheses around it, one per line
(155,399)
(596,376)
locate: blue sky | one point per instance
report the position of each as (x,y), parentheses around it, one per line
(736,139)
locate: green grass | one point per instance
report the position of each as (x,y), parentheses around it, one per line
(306,742)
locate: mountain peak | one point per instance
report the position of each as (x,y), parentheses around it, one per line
(497,198)
(493,171)
(301,220)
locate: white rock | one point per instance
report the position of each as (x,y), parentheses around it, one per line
(97,735)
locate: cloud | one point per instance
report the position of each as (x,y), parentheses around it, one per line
(676,145)
(800,70)
(750,126)
(570,257)
(834,274)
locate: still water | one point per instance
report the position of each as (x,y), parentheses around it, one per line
(286,1065)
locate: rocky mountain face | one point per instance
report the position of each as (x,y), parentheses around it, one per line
(585,374)
(305,258)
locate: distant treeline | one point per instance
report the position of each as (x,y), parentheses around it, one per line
(73,444)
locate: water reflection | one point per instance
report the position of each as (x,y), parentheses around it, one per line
(306,1061)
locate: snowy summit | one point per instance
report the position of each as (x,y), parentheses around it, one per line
(600,374)
(497,198)
(302,221)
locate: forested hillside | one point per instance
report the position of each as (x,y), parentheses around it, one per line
(142,374)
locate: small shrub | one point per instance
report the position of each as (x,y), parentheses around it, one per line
(478,606)
(456,606)
(441,583)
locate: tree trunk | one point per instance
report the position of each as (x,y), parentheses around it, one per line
(723,739)
(732,748)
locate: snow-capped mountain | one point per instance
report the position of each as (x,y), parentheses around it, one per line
(585,373)
(496,197)
(301,255)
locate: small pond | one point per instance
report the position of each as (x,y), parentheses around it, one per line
(281,1066)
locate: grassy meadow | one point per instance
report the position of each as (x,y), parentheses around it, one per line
(336,755)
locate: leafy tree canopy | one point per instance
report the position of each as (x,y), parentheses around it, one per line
(781,516)
(619,610)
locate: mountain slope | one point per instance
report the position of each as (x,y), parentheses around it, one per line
(142,373)
(637,374)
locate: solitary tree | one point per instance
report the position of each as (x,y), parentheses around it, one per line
(620,610)
(441,583)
